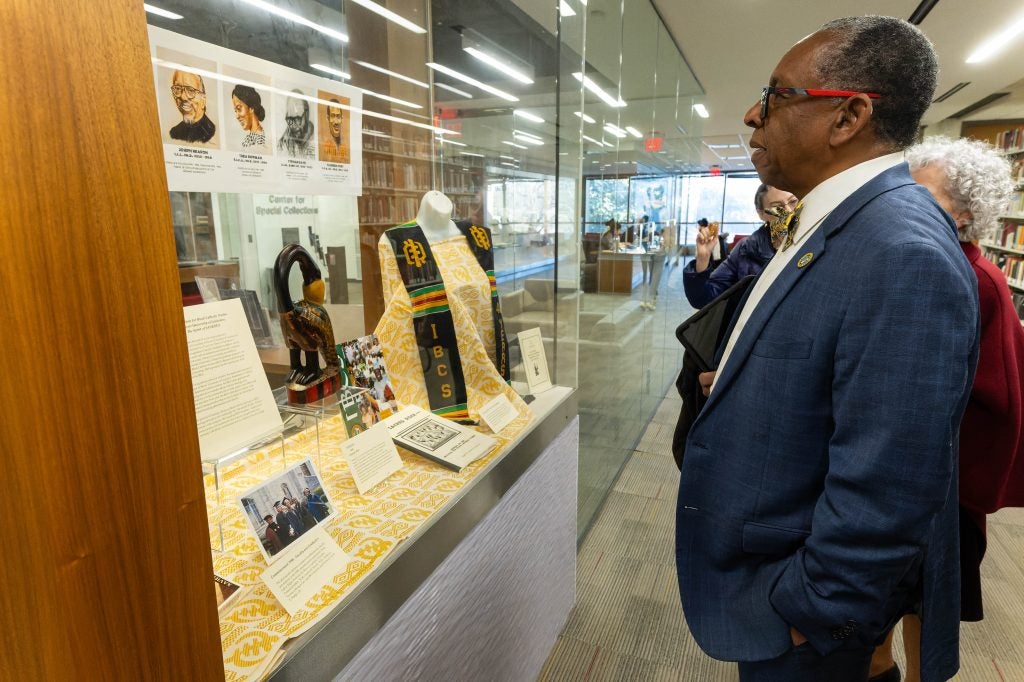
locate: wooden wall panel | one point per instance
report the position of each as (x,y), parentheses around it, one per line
(106,566)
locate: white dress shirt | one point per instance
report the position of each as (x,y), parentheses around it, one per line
(818,203)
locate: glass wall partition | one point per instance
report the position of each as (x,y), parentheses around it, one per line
(323,124)
(639,132)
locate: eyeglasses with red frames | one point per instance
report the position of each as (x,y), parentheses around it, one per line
(769,90)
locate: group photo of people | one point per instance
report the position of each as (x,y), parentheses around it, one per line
(287,506)
(364,361)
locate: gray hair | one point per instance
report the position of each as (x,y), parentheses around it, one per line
(977,179)
(888,56)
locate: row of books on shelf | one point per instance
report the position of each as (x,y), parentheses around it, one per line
(1017,171)
(392,210)
(384,173)
(419,148)
(1016,203)
(1011,139)
(1011,265)
(1010,235)
(1018,302)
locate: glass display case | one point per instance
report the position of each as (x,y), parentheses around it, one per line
(339,129)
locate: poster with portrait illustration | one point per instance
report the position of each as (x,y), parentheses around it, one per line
(248,102)
(234,123)
(188,105)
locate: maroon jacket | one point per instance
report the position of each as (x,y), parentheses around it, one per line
(992,430)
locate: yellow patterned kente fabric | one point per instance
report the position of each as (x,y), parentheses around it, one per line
(469,298)
(255,629)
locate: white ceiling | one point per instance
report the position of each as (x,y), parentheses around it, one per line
(733,45)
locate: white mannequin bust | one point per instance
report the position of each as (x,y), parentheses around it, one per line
(435,217)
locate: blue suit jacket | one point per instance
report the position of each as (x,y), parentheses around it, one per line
(819,487)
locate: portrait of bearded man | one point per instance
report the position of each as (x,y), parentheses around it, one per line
(189,93)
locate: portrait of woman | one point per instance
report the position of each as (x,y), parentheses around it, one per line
(248,107)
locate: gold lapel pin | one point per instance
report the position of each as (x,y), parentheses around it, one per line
(804,260)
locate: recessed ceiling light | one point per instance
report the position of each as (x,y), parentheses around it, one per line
(634,132)
(588,119)
(565,9)
(528,140)
(390,16)
(471,154)
(993,45)
(530,136)
(615,130)
(514,144)
(389,98)
(293,17)
(701,110)
(528,116)
(380,69)
(161,12)
(472,81)
(495,56)
(449,88)
(599,91)
(331,70)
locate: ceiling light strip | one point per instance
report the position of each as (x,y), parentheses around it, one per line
(450,88)
(291,16)
(390,16)
(332,71)
(599,91)
(527,115)
(472,81)
(498,64)
(386,72)
(994,45)
(389,98)
(166,14)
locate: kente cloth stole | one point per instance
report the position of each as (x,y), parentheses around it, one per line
(479,239)
(433,325)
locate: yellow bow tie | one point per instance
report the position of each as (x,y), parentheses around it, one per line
(783,224)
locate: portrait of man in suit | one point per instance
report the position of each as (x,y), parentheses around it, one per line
(818,495)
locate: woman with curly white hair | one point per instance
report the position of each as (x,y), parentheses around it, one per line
(971,182)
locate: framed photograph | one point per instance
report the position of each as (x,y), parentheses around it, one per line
(280,510)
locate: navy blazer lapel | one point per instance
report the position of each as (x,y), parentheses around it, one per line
(810,252)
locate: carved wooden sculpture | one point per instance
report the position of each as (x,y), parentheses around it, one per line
(307,329)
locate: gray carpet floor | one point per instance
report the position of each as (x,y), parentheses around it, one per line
(628,624)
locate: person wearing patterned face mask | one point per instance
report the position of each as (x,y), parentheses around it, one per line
(702,284)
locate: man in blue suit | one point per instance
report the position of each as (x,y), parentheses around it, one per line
(817,502)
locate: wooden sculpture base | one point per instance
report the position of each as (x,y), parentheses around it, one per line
(303,395)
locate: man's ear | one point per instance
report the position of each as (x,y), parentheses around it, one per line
(850,120)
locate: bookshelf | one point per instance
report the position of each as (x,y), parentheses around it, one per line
(1007,250)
